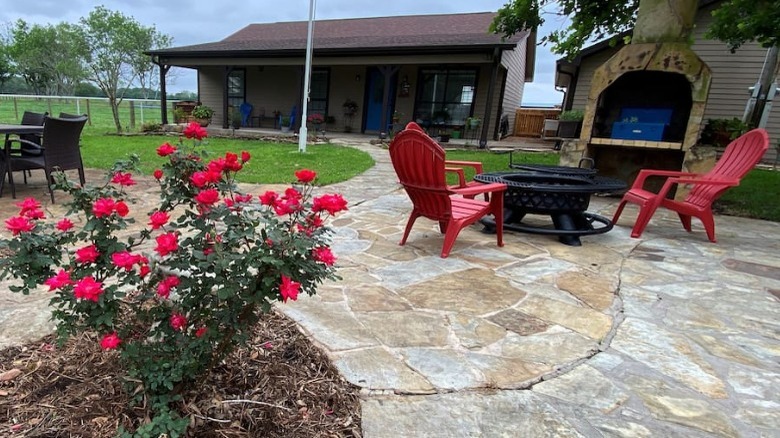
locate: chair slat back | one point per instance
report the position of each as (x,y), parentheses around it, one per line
(32,119)
(419,163)
(740,156)
(61,142)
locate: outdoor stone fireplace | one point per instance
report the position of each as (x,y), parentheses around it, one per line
(644,110)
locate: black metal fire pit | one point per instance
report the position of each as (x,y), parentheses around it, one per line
(562,196)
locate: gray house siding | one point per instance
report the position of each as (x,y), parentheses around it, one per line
(514,62)
(587,67)
(732,74)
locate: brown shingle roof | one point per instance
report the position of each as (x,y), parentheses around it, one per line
(452,30)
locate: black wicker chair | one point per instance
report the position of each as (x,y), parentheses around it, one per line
(60,151)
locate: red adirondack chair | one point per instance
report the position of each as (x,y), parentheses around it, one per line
(740,156)
(420,166)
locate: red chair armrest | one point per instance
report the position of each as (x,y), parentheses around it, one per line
(639,182)
(484,188)
(713,182)
(475,164)
(461,175)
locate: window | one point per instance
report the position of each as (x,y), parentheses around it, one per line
(446,96)
(318,96)
(236,88)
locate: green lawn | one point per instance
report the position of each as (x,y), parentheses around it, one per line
(271,163)
(757,196)
(492,162)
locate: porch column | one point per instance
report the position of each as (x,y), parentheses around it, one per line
(163,93)
(225,83)
(489,104)
(387,72)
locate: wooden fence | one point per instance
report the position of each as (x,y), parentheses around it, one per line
(529,122)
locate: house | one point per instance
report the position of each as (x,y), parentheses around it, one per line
(438,70)
(725,96)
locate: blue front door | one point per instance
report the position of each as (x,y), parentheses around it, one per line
(375,87)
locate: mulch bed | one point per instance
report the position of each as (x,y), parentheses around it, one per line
(281,386)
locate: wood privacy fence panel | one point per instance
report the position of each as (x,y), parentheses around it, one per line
(529,122)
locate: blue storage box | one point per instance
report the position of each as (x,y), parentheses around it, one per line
(642,123)
(638,131)
(646,115)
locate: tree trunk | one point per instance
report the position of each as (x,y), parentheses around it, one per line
(664,21)
(115,112)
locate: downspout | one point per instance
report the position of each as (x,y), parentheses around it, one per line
(489,102)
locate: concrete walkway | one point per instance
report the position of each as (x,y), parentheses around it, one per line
(668,335)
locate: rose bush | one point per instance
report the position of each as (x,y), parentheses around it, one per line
(172,301)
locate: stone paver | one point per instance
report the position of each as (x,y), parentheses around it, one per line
(667,335)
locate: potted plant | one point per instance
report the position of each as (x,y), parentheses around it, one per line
(570,123)
(473,122)
(285,123)
(317,120)
(350,107)
(235,119)
(202,114)
(720,132)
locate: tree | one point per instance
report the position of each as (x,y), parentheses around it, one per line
(6,66)
(116,44)
(49,58)
(757,20)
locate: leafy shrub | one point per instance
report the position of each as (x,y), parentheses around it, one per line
(572,115)
(202,112)
(171,302)
(151,127)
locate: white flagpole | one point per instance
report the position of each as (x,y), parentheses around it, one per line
(303,133)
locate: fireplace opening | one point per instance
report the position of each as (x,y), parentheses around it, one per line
(656,100)
(625,163)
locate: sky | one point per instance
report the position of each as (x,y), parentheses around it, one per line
(203,21)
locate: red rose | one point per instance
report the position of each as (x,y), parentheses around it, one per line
(216,166)
(103,207)
(110,341)
(330,203)
(64,225)
(123,179)
(144,270)
(324,255)
(305,175)
(245,156)
(269,198)
(18,224)
(88,289)
(289,289)
(88,254)
(207,197)
(178,321)
(121,209)
(158,219)
(231,162)
(124,260)
(194,130)
(200,332)
(34,214)
(167,243)
(200,179)
(27,205)
(165,149)
(60,280)
(158,174)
